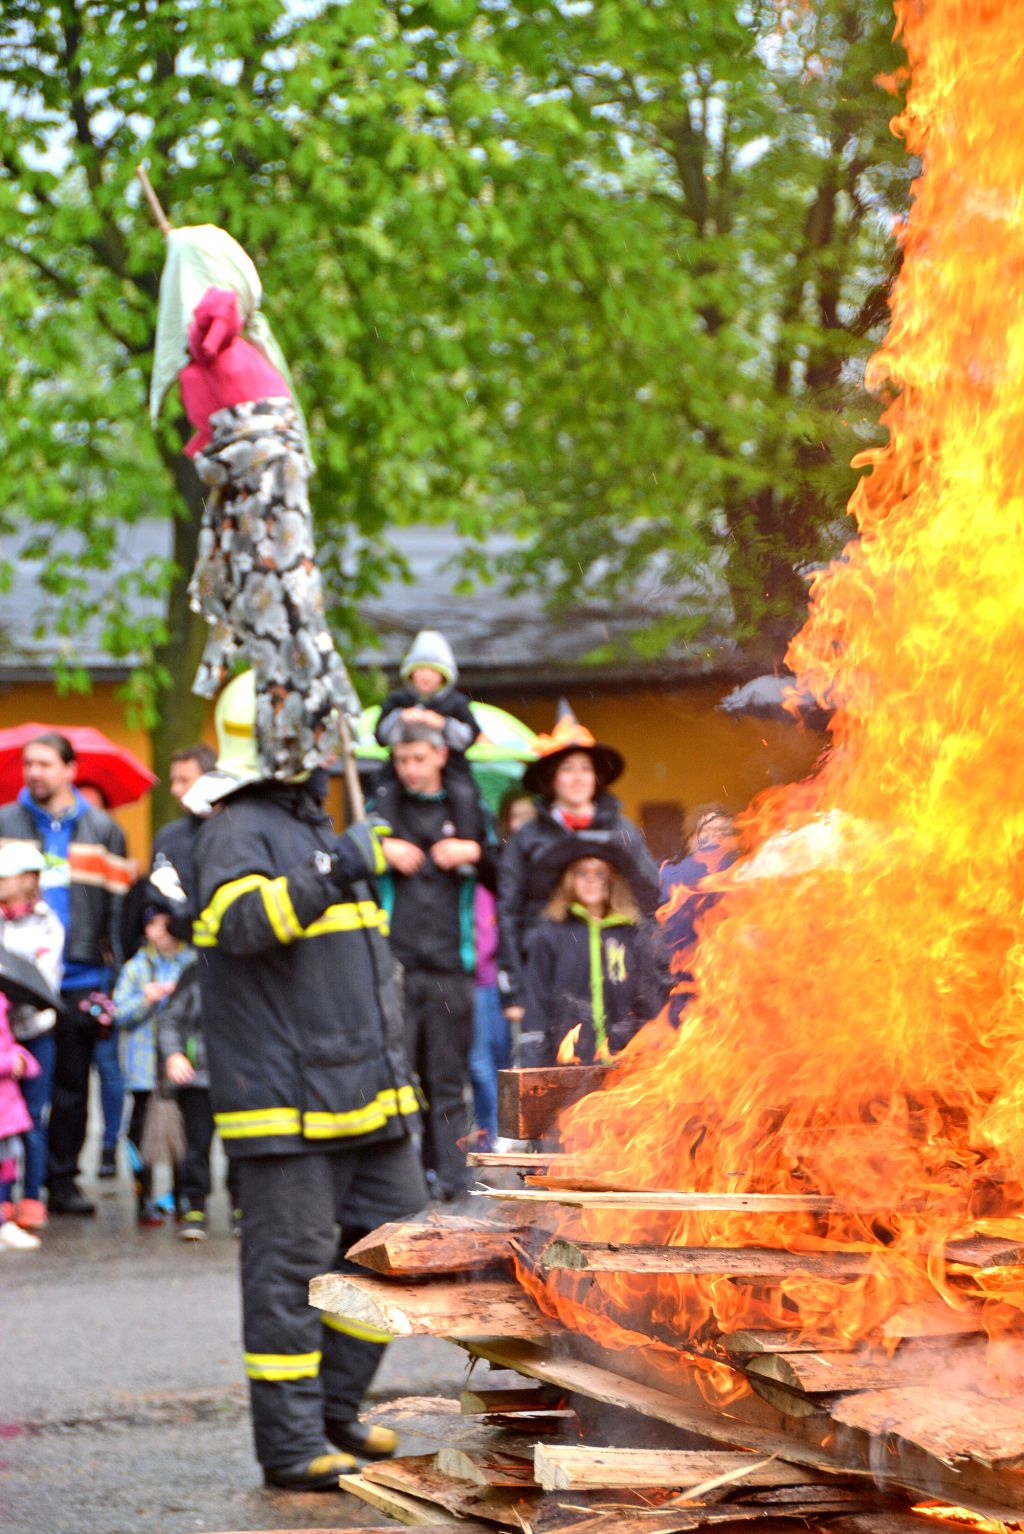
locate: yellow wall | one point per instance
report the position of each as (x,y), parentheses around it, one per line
(678,746)
(38,702)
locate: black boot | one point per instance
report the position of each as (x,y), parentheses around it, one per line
(363,1438)
(319,1474)
(68,1198)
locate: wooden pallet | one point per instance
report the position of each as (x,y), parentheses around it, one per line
(821,1435)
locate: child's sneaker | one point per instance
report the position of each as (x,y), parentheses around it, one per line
(31,1214)
(193,1226)
(14,1239)
(147,1213)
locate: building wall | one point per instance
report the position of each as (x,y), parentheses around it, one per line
(681,752)
(680,749)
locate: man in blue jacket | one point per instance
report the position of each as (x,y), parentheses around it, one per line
(85,879)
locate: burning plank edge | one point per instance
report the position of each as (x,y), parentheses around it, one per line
(956,1429)
(571,1467)
(529,1100)
(455,1310)
(526,1160)
(755,1262)
(457,1245)
(825,1373)
(669,1201)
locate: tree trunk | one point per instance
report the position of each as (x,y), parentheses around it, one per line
(181,714)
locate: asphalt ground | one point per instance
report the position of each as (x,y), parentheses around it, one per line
(123,1407)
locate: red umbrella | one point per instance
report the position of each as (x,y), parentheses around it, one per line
(117,772)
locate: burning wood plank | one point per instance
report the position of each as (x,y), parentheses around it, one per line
(835,1373)
(457,1245)
(602,1384)
(568,1467)
(986,1252)
(456,1310)
(669,1201)
(752,1262)
(755,1263)
(994,1493)
(531,1161)
(955,1427)
(501,1470)
(747,1341)
(530,1100)
(935,1320)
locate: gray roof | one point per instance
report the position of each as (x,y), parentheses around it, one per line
(499,636)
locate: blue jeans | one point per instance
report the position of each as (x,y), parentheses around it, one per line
(36,1093)
(111,1088)
(490,1052)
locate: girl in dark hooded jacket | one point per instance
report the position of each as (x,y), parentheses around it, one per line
(595,970)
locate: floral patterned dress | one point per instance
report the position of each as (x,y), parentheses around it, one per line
(258,585)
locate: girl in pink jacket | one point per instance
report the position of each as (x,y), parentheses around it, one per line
(15,1065)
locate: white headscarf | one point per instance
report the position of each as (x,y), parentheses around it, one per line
(201,257)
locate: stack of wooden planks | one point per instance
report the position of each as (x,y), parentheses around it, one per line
(817,1434)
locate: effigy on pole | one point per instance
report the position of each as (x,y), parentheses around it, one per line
(256,582)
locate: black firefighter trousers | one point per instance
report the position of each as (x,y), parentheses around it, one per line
(303,1365)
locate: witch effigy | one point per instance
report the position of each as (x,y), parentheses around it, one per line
(256,581)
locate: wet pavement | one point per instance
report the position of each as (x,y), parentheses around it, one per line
(122,1401)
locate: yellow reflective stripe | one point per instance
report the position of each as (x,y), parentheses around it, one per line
(356,1329)
(280,912)
(210,919)
(347,918)
(282,1366)
(320,1125)
(250,1123)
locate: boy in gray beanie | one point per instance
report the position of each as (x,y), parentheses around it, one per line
(429,697)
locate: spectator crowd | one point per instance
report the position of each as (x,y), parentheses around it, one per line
(337,1007)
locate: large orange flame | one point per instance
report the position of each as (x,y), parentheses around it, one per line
(858,1022)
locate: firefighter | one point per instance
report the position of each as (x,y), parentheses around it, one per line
(310,1088)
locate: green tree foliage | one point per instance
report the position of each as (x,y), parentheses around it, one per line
(599,272)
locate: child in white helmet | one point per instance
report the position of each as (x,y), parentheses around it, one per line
(33,931)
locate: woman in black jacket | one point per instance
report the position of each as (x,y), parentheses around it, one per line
(571,776)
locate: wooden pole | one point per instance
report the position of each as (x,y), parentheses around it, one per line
(353,787)
(160,218)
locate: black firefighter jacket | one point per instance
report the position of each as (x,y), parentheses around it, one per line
(303,1029)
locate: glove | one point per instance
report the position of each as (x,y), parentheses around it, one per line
(358,852)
